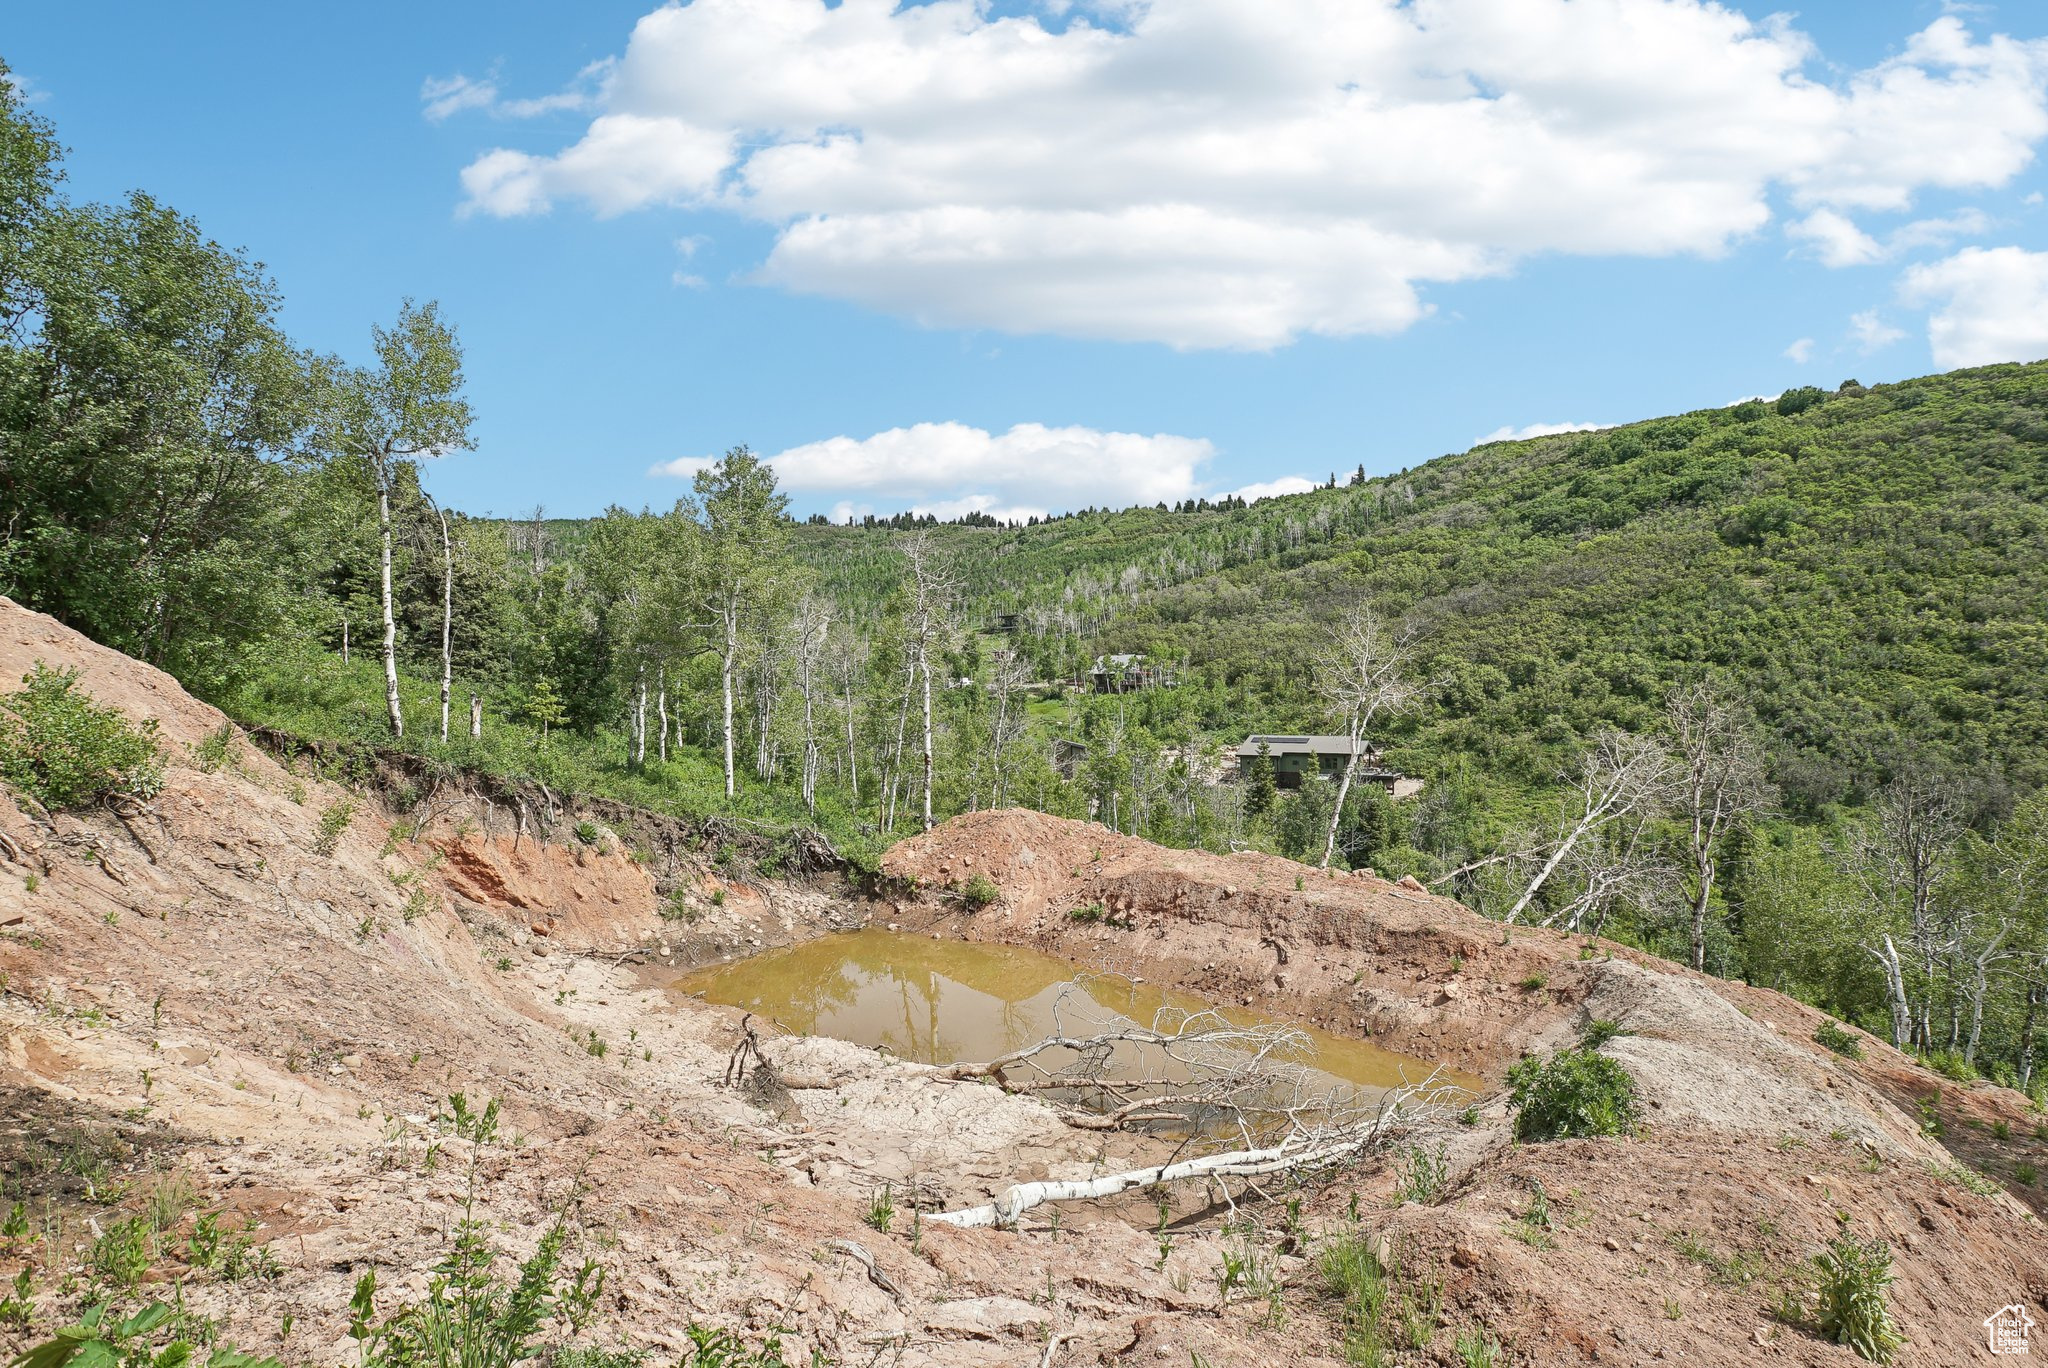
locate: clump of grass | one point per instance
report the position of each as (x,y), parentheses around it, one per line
(1534,982)
(1477,1348)
(881,1210)
(1090,913)
(589,832)
(1852,1280)
(1421,1175)
(1572,1094)
(1845,1043)
(980,891)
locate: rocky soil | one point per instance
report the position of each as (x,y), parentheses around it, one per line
(210,1007)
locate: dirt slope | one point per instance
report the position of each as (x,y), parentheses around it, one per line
(200,996)
(1673,1245)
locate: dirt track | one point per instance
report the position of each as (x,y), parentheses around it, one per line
(205,994)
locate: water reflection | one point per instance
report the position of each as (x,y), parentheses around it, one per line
(944,1001)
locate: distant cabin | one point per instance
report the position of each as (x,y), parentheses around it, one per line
(1116,674)
(1068,757)
(1297,758)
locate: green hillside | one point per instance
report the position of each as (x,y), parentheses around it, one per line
(1869,567)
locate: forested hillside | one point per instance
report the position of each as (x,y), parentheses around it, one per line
(1761,687)
(1869,566)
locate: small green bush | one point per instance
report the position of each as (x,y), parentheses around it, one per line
(589,833)
(1573,1093)
(1852,1280)
(334,821)
(97,1342)
(66,751)
(1599,1031)
(1951,1064)
(980,891)
(1844,1043)
(1421,1175)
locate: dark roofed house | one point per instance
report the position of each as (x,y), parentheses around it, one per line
(1127,673)
(1297,758)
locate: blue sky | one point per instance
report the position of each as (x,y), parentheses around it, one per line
(1049,254)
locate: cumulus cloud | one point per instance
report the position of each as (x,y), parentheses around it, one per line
(950,468)
(1522,434)
(1836,240)
(1800,352)
(1208,173)
(1989,305)
(1871,333)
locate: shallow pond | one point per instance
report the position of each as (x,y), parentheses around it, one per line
(943,1001)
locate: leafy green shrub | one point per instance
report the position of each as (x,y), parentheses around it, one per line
(1599,1031)
(66,751)
(1843,1043)
(334,820)
(1421,1175)
(94,1342)
(1533,982)
(980,891)
(2025,1174)
(471,1316)
(1852,1280)
(1573,1093)
(589,832)
(1951,1064)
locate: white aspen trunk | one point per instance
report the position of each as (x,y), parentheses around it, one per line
(895,779)
(661,708)
(1895,992)
(1343,792)
(344,638)
(447,620)
(1703,871)
(1978,982)
(1543,875)
(640,717)
(390,622)
(925,672)
(726,659)
(852,752)
(476,716)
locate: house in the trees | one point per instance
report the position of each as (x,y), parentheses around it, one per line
(1068,757)
(1296,759)
(1115,674)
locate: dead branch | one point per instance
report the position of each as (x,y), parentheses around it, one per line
(860,1255)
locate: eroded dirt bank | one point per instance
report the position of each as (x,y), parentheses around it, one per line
(214,992)
(1760,1143)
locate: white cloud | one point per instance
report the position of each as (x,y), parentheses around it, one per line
(951,468)
(1522,434)
(1871,333)
(1800,352)
(1835,240)
(1209,173)
(443,96)
(1273,489)
(1989,305)
(1838,242)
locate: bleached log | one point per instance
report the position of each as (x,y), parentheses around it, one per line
(1288,1156)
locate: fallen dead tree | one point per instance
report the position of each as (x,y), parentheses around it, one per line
(1309,1147)
(1249,1093)
(1186,1070)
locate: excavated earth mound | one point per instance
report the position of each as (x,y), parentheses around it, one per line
(1760,1144)
(255,997)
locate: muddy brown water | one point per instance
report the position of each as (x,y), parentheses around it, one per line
(940,1001)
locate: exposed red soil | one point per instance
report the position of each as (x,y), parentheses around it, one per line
(1760,1144)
